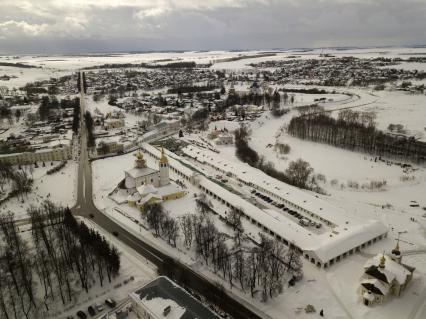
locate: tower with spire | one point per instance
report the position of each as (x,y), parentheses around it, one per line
(164,169)
(396,255)
(382,261)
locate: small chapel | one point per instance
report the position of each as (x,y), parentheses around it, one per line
(384,276)
(146,185)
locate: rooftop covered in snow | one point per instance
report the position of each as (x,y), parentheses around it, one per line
(165,299)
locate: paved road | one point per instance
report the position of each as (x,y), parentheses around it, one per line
(166,265)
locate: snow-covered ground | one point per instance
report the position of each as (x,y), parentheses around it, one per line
(26,75)
(333,290)
(59,187)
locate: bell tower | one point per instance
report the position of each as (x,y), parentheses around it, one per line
(164,169)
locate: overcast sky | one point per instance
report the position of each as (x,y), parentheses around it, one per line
(73,26)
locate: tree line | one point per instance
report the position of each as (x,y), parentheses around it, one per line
(48,103)
(171,65)
(261,268)
(89,125)
(356,131)
(62,258)
(191,89)
(79,80)
(299,173)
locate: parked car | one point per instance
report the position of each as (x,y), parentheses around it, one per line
(110,303)
(81,314)
(304,222)
(91,310)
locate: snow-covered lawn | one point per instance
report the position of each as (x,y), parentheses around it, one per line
(59,187)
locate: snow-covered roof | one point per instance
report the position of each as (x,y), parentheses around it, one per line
(346,237)
(248,174)
(384,289)
(342,238)
(134,197)
(168,189)
(140,172)
(392,269)
(161,293)
(146,189)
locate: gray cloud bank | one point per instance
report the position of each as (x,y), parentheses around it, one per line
(79,26)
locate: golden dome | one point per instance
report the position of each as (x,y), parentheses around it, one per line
(139,155)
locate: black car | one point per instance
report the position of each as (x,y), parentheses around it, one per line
(81,315)
(110,303)
(115,233)
(91,310)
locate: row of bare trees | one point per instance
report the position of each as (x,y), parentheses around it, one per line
(356,131)
(258,268)
(60,259)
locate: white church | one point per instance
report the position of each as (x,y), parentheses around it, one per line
(384,276)
(147,185)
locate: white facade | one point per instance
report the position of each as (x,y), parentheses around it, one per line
(43,155)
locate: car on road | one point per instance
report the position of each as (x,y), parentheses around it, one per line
(115,233)
(91,311)
(110,303)
(81,314)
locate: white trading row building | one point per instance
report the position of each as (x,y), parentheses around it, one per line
(345,233)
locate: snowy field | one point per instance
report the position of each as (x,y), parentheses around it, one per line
(26,75)
(59,187)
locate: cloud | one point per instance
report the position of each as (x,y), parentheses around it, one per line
(210,24)
(19,28)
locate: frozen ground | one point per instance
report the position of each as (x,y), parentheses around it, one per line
(23,76)
(59,187)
